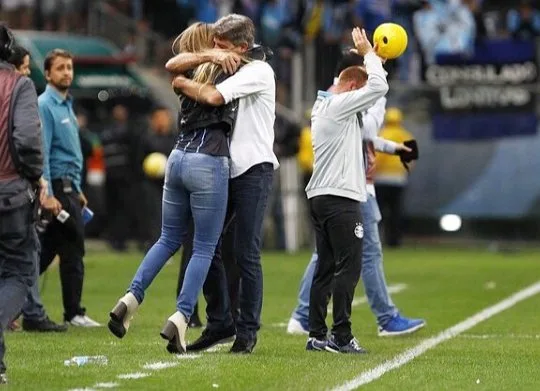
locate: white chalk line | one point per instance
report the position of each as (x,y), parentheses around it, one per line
(106,385)
(148,367)
(429,343)
(500,336)
(392,289)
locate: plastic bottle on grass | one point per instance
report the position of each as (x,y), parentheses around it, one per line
(79,361)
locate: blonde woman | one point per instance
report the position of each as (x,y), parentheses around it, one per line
(196,185)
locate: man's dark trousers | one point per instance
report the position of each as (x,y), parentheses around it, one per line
(67,241)
(18,244)
(339,233)
(248,196)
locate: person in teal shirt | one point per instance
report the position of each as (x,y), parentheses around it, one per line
(63,163)
(60,137)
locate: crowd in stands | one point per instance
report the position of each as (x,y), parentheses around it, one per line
(434,26)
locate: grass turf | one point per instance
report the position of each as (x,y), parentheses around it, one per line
(443,285)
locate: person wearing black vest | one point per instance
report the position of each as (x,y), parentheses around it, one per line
(21,167)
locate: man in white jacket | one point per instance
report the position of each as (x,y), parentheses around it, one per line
(335,190)
(390,321)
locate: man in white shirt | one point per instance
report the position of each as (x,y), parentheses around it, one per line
(252,167)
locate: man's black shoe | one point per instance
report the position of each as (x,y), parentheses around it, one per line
(45,326)
(210,338)
(243,346)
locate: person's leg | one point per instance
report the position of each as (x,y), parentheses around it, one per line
(207,180)
(324,271)
(277,214)
(249,194)
(175,214)
(221,308)
(345,231)
(19,243)
(71,252)
(301,312)
(34,315)
(231,267)
(216,287)
(372,270)
(187,251)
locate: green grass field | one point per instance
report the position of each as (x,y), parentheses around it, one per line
(445,286)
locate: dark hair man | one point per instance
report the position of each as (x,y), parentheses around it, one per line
(20,59)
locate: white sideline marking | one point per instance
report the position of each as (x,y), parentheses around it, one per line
(136,375)
(500,336)
(106,385)
(187,356)
(156,366)
(410,354)
(392,289)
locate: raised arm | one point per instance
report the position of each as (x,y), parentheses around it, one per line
(252,78)
(207,94)
(184,62)
(349,103)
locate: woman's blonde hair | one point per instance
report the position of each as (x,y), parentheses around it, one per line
(196,38)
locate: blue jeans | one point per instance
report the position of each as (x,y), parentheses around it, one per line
(372,271)
(248,197)
(195,185)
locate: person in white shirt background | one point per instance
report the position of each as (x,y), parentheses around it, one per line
(252,168)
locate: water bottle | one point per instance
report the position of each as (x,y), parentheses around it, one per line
(79,361)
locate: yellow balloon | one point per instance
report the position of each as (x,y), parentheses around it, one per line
(391,40)
(154,165)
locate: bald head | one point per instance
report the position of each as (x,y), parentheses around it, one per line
(351,78)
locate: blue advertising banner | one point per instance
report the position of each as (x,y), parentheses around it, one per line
(485,96)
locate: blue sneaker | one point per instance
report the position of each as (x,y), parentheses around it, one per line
(400,325)
(317,345)
(352,347)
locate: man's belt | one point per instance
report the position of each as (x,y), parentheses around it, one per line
(66,184)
